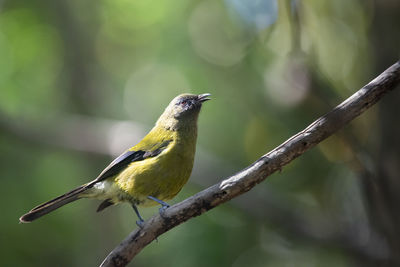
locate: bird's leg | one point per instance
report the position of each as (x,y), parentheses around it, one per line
(139,222)
(163,204)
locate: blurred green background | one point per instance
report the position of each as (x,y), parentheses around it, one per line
(80,81)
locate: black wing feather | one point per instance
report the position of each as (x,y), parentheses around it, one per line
(118,164)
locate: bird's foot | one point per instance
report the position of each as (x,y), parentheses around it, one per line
(140,223)
(163,204)
(162,210)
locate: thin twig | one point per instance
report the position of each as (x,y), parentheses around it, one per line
(246,179)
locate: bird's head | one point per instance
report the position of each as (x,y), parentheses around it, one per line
(183,109)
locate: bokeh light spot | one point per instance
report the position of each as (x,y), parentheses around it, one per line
(213,37)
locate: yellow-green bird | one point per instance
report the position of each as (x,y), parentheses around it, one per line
(149,173)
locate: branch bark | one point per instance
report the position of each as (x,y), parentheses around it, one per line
(246,179)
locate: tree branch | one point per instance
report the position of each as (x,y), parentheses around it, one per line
(246,179)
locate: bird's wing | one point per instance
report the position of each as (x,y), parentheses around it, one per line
(120,163)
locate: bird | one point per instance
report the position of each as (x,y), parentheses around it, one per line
(149,173)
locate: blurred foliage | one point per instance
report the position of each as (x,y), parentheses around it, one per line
(82,80)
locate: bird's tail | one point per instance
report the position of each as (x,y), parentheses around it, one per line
(53,204)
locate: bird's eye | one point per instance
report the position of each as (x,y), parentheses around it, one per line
(185,103)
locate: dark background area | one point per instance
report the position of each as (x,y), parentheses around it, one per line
(80,81)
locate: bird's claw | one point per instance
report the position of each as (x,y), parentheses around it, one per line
(164,205)
(140,223)
(162,210)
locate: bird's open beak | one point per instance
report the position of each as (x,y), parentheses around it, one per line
(203,97)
